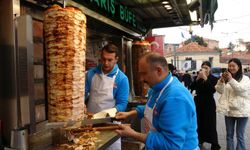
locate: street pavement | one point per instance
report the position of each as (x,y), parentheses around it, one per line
(221,129)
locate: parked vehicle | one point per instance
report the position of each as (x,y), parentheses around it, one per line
(217,71)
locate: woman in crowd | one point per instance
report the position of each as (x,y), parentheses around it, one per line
(204,84)
(234,102)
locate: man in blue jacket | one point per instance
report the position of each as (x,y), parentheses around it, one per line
(107,86)
(170,116)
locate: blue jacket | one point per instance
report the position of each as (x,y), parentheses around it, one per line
(121,86)
(174,117)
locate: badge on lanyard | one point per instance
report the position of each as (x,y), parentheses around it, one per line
(155,110)
(115,85)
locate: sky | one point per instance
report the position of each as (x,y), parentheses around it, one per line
(232,23)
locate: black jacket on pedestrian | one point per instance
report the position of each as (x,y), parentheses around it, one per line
(187,79)
(206,109)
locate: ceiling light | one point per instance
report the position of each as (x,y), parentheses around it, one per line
(193,15)
(165,2)
(168,7)
(188,1)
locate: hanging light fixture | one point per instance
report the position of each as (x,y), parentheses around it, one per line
(193,15)
(165,2)
(168,7)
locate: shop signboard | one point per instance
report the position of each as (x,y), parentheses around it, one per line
(116,11)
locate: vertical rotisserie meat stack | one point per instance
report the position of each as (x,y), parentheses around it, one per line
(139,48)
(65,41)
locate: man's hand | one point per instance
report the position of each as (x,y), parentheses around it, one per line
(125,130)
(124,115)
(202,75)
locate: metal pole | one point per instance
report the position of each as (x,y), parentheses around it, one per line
(174,55)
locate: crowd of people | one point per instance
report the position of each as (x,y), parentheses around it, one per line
(234,102)
(174,119)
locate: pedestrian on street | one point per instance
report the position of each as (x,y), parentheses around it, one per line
(173,70)
(170,116)
(234,102)
(204,84)
(187,79)
(247,72)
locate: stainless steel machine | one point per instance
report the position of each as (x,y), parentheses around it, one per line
(16,74)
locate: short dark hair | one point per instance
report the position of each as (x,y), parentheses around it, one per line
(153,58)
(171,67)
(110,48)
(239,74)
(207,63)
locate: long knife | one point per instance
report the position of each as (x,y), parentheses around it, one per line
(97,121)
(70,123)
(84,122)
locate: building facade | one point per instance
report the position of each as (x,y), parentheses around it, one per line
(190,57)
